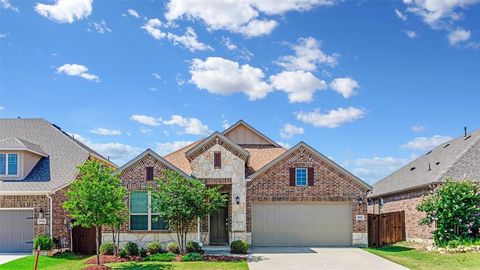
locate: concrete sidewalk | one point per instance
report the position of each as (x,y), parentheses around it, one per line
(6,257)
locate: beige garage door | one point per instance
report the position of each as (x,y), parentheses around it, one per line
(16,230)
(301,224)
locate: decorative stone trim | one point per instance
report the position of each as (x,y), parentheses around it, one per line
(220,141)
(217,181)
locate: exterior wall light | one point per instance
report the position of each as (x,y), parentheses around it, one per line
(237,200)
(41,213)
(360,201)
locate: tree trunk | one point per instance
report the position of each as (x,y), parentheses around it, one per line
(97,240)
(113,240)
(118,239)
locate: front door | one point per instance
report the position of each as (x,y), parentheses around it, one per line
(219,227)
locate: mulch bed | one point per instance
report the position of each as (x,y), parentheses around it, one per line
(109,259)
(97,267)
(223,258)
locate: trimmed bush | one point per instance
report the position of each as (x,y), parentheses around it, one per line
(142,252)
(173,248)
(122,253)
(193,246)
(45,242)
(239,247)
(154,248)
(107,248)
(131,248)
(192,257)
(161,257)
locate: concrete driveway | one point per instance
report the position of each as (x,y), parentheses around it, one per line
(305,258)
(6,257)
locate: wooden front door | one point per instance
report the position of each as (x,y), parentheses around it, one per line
(219,227)
(83,240)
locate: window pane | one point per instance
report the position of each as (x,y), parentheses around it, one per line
(139,202)
(12,164)
(139,223)
(159,223)
(2,164)
(301,177)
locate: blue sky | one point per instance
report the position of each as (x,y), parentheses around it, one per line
(371,84)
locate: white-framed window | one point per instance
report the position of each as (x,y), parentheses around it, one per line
(301,176)
(141,216)
(9,164)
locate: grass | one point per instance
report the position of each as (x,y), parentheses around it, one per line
(71,261)
(417,258)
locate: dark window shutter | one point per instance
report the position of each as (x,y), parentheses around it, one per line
(217,160)
(292,176)
(311,176)
(149,173)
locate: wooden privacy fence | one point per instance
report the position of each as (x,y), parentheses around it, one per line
(386,229)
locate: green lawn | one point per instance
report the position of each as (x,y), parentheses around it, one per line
(69,261)
(414,257)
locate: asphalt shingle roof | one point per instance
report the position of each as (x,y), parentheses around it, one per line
(457,159)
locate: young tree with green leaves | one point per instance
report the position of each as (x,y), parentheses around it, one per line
(455,208)
(96,199)
(182,201)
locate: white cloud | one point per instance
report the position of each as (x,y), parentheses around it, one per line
(400,15)
(157,76)
(77,70)
(2,108)
(299,85)
(345,86)
(373,169)
(425,143)
(288,131)
(331,119)
(411,34)
(189,125)
(101,27)
(228,43)
(4,35)
(307,56)
(243,53)
(221,76)
(106,132)
(169,147)
(458,36)
(189,40)
(146,120)
(145,130)
(418,128)
(133,13)
(7,5)
(237,16)
(284,145)
(65,11)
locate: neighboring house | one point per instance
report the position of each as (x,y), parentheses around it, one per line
(458,159)
(37,163)
(277,197)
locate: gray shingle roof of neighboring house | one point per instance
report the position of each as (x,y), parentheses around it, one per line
(457,159)
(55,170)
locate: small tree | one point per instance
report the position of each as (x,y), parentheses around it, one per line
(182,201)
(454,207)
(96,199)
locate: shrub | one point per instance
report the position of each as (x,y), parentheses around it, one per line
(154,248)
(239,247)
(45,242)
(193,246)
(191,257)
(107,248)
(131,248)
(122,253)
(161,257)
(173,247)
(142,252)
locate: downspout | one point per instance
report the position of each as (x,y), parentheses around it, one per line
(51,214)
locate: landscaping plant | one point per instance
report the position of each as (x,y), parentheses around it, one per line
(182,201)
(173,248)
(454,207)
(164,257)
(154,248)
(192,257)
(45,242)
(193,246)
(239,247)
(107,248)
(131,248)
(142,253)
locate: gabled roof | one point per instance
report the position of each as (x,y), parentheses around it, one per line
(311,149)
(252,129)
(155,155)
(17,144)
(216,138)
(457,159)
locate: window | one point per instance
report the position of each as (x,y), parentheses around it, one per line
(9,164)
(301,178)
(141,216)
(217,160)
(149,173)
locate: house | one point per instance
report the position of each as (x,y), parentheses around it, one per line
(402,190)
(37,163)
(277,197)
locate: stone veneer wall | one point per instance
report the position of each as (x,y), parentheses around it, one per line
(232,167)
(406,201)
(330,185)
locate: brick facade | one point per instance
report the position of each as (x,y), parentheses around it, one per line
(406,201)
(330,185)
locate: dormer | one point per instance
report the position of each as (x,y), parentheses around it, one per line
(18,157)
